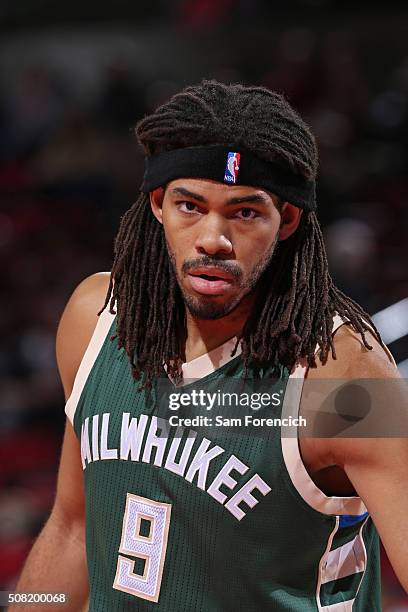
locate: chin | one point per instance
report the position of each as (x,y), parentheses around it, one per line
(207,310)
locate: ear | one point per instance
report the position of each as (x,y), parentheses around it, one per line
(290,218)
(156,203)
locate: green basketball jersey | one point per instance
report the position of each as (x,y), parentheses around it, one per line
(208,518)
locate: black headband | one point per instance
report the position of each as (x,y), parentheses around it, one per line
(226,165)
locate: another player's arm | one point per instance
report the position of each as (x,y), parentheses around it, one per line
(57,561)
(377,467)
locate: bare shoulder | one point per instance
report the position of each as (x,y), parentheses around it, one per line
(77,325)
(354,359)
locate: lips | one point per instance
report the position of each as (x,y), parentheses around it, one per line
(210,281)
(211,272)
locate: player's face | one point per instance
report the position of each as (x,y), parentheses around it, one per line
(220,239)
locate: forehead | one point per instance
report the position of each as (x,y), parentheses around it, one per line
(210,189)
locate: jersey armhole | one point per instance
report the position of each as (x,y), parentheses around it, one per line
(299,476)
(92,351)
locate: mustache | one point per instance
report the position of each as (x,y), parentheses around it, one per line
(227,266)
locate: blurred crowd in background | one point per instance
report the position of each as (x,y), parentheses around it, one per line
(70,166)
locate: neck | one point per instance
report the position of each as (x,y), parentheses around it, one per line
(203,336)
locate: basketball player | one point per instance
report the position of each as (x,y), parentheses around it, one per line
(219,272)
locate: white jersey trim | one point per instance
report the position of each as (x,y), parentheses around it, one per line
(98,337)
(209,362)
(342,606)
(299,476)
(322,564)
(349,559)
(346,560)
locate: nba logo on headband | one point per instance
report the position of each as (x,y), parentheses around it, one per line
(232,167)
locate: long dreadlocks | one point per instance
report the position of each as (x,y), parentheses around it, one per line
(298,299)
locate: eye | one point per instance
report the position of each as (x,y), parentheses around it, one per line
(247,214)
(187,206)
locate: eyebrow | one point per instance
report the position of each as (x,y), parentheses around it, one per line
(255,198)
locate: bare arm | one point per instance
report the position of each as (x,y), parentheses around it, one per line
(375,465)
(378,466)
(57,561)
(58,554)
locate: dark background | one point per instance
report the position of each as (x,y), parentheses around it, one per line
(74,80)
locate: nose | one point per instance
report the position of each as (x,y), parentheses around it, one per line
(213,237)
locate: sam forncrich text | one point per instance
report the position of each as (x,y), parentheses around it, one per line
(248,420)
